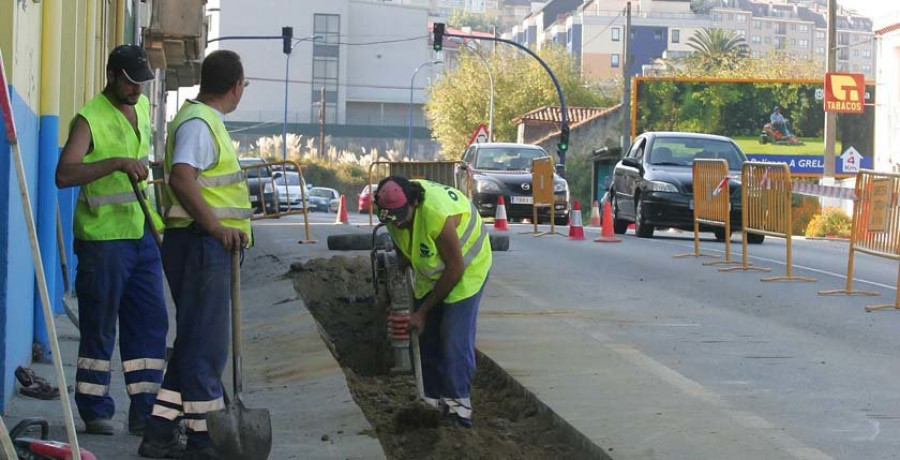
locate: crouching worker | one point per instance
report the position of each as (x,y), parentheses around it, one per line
(440,233)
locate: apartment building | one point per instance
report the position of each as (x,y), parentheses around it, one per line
(662,28)
(364,57)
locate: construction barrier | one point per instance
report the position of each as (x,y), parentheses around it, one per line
(876,226)
(443,172)
(267,185)
(766,210)
(711,203)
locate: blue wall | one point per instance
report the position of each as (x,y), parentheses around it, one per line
(648,43)
(16,268)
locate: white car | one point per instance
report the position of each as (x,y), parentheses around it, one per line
(289,197)
(323,199)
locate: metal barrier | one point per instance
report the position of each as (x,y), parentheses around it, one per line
(876,227)
(766,210)
(442,172)
(266,184)
(712,205)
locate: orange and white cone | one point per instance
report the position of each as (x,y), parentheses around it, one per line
(608,234)
(342,212)
(595,215)
(500,222)
(576,228)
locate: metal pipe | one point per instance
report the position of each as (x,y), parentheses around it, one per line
(409,110)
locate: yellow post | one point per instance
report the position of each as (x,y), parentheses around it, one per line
(51,45)
(90,33)
(120,22)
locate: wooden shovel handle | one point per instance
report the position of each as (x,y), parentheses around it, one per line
(236,324)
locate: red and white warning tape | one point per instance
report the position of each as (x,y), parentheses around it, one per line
(827,191)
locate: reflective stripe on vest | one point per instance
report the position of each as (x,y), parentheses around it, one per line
(470,253)
(221,181)
(178,212)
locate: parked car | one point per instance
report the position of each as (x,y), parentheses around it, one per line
(653,184)
(500,169)
(365,198)
(260,180)
(323,199)
(290,197)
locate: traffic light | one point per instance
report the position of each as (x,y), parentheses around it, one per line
(563,139)
(438,36)
(287,35)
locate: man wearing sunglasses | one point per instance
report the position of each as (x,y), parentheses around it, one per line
(440,234)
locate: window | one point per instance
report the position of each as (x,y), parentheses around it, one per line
(793,26)
(742,33)
(614,60)
(804,43)
(616,34)
(803,28)
(866,68)
(820,35)
(793,42)
(856,53)
(757,25)
(867,54)
(820,50)
(325,66)
(328,26)
(756,39)
(740,18)
(676,36)
(779,42)
(768,40)
(781,28)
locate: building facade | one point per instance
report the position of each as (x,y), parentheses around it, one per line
(363,53)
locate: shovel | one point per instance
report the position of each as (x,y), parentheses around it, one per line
(71,311)
(239,433)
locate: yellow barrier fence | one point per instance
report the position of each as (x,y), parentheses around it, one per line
(712,205)
(876,227)
(443,172)
(268,195)
(766,211)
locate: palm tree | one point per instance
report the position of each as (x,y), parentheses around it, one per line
(717,48)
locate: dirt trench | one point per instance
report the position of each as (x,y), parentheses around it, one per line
(508,422)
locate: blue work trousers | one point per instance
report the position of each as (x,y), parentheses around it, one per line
(199,272)
(119,281)
(448,353)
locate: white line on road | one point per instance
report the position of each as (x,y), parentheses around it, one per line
(773,261)
(684,384)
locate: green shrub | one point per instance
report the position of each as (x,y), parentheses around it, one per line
(831,222)
(803,209)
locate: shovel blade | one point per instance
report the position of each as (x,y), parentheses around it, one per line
(239,433)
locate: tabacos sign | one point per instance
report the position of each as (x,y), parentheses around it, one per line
(845,92)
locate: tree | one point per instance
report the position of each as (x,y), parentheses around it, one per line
(459,101)
(481,22)
(717,48)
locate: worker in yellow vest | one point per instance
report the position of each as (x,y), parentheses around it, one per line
(441,235)
(119,275)
(207,210)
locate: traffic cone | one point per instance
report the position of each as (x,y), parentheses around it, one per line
(608,234)
(595,215)
(342,212)
(576,229)
(500,222)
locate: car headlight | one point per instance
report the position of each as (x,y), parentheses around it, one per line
(487,186)
(561,186)
(659,186)
(268,188)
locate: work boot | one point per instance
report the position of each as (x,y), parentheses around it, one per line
(137,424)
(161,441)
(102,426)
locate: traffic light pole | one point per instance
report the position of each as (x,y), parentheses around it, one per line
(563,145)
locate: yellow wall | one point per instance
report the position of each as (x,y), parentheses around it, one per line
(22,51)
(598,65)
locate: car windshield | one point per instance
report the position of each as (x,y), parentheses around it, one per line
(682,151)
(290,179)
(320,192)
(507,158)
(254,173)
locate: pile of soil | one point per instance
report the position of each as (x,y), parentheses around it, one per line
(508,422)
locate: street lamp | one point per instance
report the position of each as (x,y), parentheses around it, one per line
(287,71)
(490,79)
(409,115)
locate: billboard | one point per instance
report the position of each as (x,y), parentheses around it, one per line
(771,120)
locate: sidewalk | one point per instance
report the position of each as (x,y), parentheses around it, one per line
(287,369)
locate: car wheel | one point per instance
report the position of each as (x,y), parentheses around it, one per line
(753,238)
(720,234)
(641,229)
(619,226)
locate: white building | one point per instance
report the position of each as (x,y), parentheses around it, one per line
(364,55)
(887,99)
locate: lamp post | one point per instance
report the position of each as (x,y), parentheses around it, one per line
(409,114)
(490,80)
(287,72)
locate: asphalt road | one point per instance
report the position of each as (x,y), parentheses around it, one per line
(655,357)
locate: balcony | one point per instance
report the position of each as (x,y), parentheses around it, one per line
(175,40)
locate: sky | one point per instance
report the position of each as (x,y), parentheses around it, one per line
(879,10)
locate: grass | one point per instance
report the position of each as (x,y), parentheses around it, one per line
(812,146)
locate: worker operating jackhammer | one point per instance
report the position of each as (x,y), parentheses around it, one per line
(441,235)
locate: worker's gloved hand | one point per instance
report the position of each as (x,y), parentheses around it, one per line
(134,168)
(231,238)
(416,323)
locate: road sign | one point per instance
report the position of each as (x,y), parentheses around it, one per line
(542,181)
(480,136)
(851,159)
(845,92)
